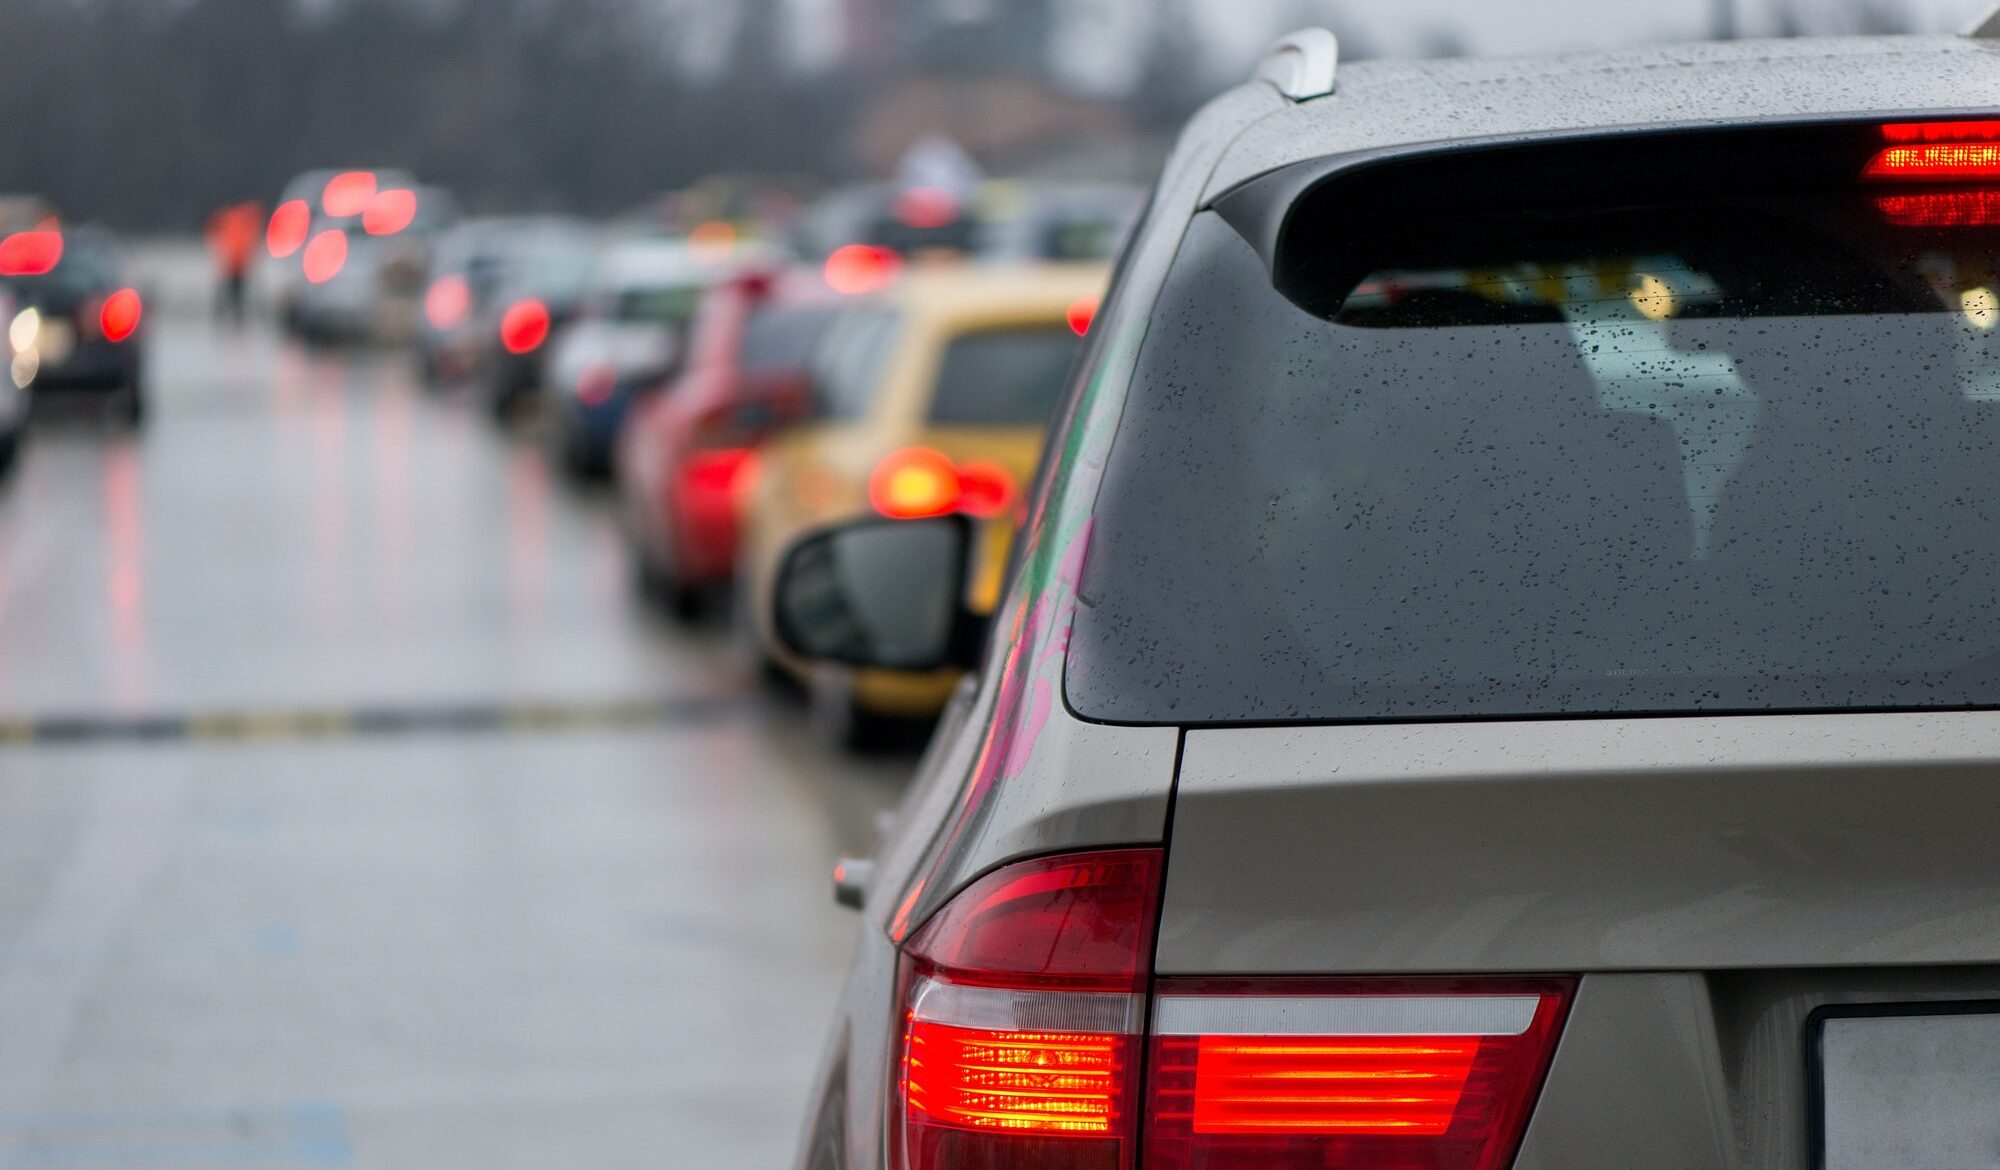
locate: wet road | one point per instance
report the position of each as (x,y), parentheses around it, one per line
(577,939)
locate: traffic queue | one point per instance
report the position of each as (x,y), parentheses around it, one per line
(737,377)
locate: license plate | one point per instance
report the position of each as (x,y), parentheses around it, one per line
(1908,1088)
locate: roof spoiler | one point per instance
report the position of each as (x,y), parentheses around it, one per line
(1302,65)
(1986,27)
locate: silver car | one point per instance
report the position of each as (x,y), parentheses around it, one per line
(1503,663)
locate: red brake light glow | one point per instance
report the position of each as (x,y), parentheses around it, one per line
(1937,152)
(1941,209)
(348,195)
(34,253)
(291,223)
(1364,1075)
(985,490)
(858,269)
(1081,314)
(927,208)
(525,327)
(1903,133)
(119,318)
(325,256)
(915,483)
(390,212)
(727,472)
(448,303)
(1024,999)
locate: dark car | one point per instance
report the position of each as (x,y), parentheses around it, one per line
(544,280)
(77,320)
(688,454)
(1503,666)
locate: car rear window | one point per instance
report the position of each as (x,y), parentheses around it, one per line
(776,340)
(1004,377)
(1729,454)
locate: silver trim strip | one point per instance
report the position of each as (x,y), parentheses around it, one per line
(1000,1010)
(1344,1015)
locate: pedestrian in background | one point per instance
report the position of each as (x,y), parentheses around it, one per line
(232,239)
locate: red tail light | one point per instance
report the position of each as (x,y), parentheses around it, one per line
(1363,1075)
(524,327)
(119,318)
(34,253)
(389,212)
(448,303)
(914,484)
(927,208)
(325,256)
(347,195)
(1942,209)
(861,268)
(1023,1005)
(985,490)
(1082,313)
(728,472)
(1937,152)
(291,223)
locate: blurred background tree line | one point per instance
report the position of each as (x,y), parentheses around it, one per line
(149,113)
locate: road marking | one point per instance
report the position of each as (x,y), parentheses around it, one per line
(253,726)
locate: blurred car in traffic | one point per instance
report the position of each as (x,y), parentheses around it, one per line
(349,250)
(468,267)
(543,280)
(1055,222)
(932,399)
(689,452)
(13,395)
(629,336)
(1501,668)
(76,321)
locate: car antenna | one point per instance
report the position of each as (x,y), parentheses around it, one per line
(1302,65)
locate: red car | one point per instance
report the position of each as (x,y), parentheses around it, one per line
(687,456)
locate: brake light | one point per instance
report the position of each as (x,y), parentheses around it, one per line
(34,253)
(726,471)
(119,318)
(858,269)
(1023,1004)
(448,303)
(390,212)
(348,195)
(1359,1074)
(985,490)
(1082,312)
(915,483)
(927,208)
(1937,152)
(525,327)
(1936,209)
(1909,132)
(325,256)
(291,223)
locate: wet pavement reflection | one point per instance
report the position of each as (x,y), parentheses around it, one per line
(586,923)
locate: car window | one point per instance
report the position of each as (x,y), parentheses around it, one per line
(1737,456)
(1004,377)
(776,340)
(849,366)
(673,305)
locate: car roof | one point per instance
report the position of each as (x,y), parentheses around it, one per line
(1381,105)
(968,294)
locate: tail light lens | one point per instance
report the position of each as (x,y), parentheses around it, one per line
(448,303)
(859,269)
(119,318)
(917,483)
(390,212)
(1360,1075)
(1937,152)
(325,256)
(524,327)
(34,253)
(348,195)
(728,471)
(1024,1004)
(291,223)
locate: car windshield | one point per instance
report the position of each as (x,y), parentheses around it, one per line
(778,340)
(666,305)
(83,272)
(1004,377)
(1732,456)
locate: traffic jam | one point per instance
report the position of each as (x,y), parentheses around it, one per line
(1439,628)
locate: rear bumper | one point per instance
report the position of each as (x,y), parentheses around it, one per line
(91,366)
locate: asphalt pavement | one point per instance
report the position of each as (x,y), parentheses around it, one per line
(353,813)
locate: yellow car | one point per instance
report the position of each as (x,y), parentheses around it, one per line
(931,398)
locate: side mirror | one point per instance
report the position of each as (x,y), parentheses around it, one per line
(887,594)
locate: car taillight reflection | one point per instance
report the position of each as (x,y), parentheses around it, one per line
(524,327)
(1082,312)
(727,472)
(448,303)
(325,256)
(34,253)
(118,320)
(291,223)
(917,483)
